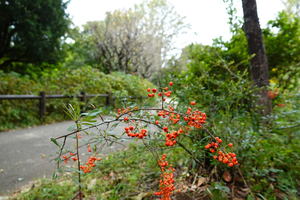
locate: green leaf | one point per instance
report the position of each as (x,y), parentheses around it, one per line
(113,136)
(116,124)
(94,113)
(222,188)
(86,132)
(55,142)
(75,180)
(69,169)
(60,170)
(54,176)
(72,127)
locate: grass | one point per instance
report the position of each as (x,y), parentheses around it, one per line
(129,174)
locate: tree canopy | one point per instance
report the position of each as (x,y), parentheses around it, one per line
(136,40)
(31,32)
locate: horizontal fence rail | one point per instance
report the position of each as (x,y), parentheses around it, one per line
(42,98)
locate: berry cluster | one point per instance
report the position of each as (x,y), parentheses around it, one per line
(167,92)
(90,164)
(195,119)
(138,135)
(226,158)
(119,110)
(78,135)
(89,149)
(273,94)
(166,183)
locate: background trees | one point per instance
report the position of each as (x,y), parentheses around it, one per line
(137,40)
(31,32)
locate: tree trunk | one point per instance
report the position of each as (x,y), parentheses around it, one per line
(259,67)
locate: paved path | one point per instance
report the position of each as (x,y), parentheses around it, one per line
(21,152)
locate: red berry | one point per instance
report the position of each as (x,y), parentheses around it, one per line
(148,90)
(230,164)
(154,90)
(193,103)
(160,94)
(230,144)
(215,157)
(170,83)
(157,122)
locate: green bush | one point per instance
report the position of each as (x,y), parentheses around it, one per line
(22,113)
(268,154)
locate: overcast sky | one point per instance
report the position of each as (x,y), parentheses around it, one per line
(208,18)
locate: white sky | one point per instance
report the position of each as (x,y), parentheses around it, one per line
(208,18)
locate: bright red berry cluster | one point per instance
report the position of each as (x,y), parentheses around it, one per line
(90,164)
(195,118)
(138,135)
(226,158)
(166,183)
(167,92)
(273,94)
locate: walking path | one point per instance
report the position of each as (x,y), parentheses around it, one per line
(21,153)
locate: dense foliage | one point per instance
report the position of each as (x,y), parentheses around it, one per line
(31,34)
(16,113)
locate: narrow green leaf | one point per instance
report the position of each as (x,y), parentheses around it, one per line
(94,113)
(116,124)
(69,169)
(86,132)
(113,136)
(54,141)
(60,170)
(75,180)
(72,127)
(54,176)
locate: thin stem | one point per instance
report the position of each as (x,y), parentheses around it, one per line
(245,182)
(78,166)
(62,147)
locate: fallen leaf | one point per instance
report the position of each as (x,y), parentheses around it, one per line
(227,176)
(142,195)
(201,180)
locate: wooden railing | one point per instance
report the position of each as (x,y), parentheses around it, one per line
(43,97)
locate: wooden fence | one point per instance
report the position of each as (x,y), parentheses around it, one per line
(42,98)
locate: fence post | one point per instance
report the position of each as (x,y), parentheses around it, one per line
(83,100)
(43,104)
(108,99)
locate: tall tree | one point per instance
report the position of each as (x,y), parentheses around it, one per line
(259,68)
(136,40)
(31,31)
